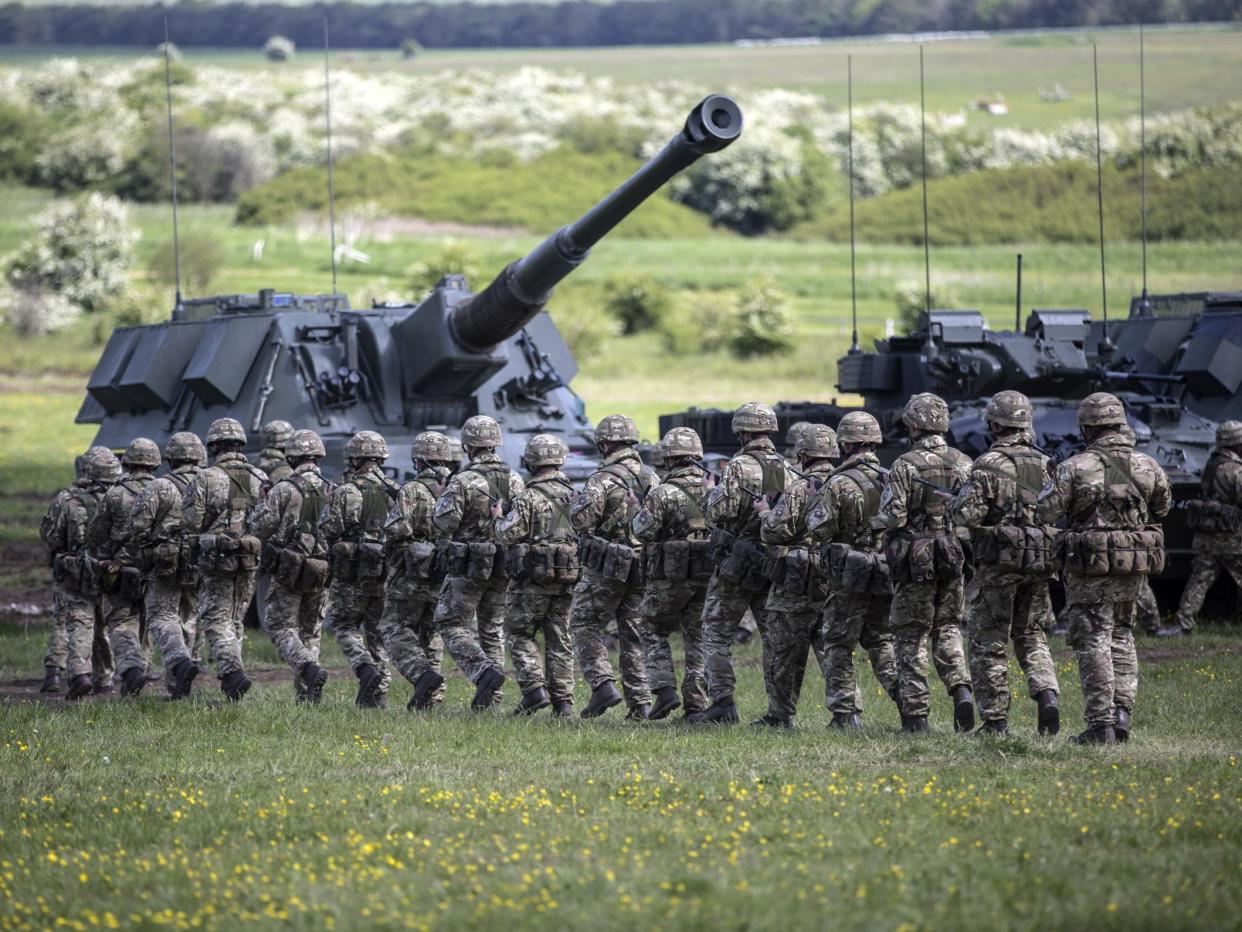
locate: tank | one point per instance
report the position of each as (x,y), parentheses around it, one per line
(398,369)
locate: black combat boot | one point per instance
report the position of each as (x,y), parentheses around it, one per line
(490,681)
(993,726)
(1171,631)
(369,679)
(533,701)
(771,721)
(1121,727)
(79,686)
(51,680)
(721,712)
(963,709)
(665,702)
(846,721)
(638,713)
(183,674)
(132,681)
(235,685)
(313,678)
(1096,734)
(915,724)
(425,690)
(1049,713)
(562,708)
(603,697)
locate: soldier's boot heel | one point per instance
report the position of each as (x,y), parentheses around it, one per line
(489,682)
(721,712)
(1049,713)
(1121,728)
(1098,734)
(603,697)
(313,678)
(183,674)
(79,686)
(915,724)
(666,701)
(638,713)
(533,701)
(771,721)
(132,681)
(425,690)
(996,726)
(562,708)
(1171,631)
(963,709)
(51,680)
(369,679)
(846,721)
(235,685)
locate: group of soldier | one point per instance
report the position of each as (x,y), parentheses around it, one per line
(826,549)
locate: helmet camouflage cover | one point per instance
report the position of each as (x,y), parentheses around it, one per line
(481,431)
(1101,410)
(754,417)
(277,433)
(616,428)
(1229,434)
(184,447)
(859,427)
(304,443)
(366,445)
(1009,409)
(225,429)
(681,441)
(433,446)
(99,464)
(926,411)
(544,450)
(141,452)
(817,441)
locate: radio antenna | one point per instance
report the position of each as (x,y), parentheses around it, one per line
(327,115)
(1106,346)
(1017,301)
(849,96)
(926,239)
(172,161)
(1143,153)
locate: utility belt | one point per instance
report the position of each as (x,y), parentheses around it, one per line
(419,561)
(796,572)
(478,560)
(864,572)
(1114,553)
(543,562)
(172,561)
(228,554)
(1209,517)
(678,561)
(1011,548)
(612,559)
(358,561)
(740,560)
(925,556)
(89,577)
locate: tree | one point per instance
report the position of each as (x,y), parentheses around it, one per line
(761,324)
(278,48)
(411,48)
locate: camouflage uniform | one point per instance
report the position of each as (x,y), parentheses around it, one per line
(536,525)
(1108,488)
(916,516)
(1009,597)
(58,641)
(272,458)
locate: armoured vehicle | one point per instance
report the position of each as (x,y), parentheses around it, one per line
(316,362)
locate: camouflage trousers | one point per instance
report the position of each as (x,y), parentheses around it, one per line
(1205,569)
(855,619)
(1008,607)
(1147,609)
(222,604)
(790,636)
(666,606)
(172,619)
(58,639)
(356,610)
(531,609)
(408,630)
(88,652)
(124,621)
(470,618)
(724,606)
(293,621)
(1102,635)
(597,600)
(926,614)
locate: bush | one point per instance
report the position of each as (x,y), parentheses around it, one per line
(911,299)
(587,328)
(134,307)
(695,323)
(278,48)
(760,324)
(31,310)
(23,134)
(637,302)
(411,48)
(201,258)
(454,258)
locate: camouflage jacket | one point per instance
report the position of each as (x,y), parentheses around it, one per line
(156,515)
(907,503)
(273,463)
(464,510)
(1004,485)
(1078,491)
(755,471)
(1222,482)
(69,532)
(220,499)
(358,508)
(292,506)
(787,523)
(540,512)
(109,531)
(848,503)
(604,506)
(48,527)
(410,516)
(674,509)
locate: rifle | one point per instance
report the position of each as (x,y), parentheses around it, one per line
(883,473)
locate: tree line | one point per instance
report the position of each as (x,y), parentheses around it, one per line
(574,22)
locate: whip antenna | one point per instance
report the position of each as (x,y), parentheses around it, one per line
(849,91)
(1106,345)
(926,240)
(327,115)
(1017,301)
(172,161)
(1143,154)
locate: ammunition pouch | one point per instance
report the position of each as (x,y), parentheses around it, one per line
(298,572)
(857,571)
(1209,517)
(719,544)
(89,576)
(612,559)
(925,556)
(678,560)
(228,554)
(745,564)
(64,570)
(343,559)
(419,558)
(453,557)
(370,563)
(78,574)
(543,562)
(164,559)
(795,572)
(1098,553)
(1033,551)
(480,560)
(130,584)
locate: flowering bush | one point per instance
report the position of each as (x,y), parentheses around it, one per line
(278,48)
(761,324)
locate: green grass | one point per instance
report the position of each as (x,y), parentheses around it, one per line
(147,813)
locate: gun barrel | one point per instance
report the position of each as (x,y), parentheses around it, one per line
(522,289)
(1113,375)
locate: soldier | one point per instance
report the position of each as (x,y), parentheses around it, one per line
(542,556)
(673,532)
(287,522)
(121,563)
(926,561)
(276,435)
(844,519)
(1217,522)
(414,579)
(214,520)
(1111,494)
(798,583)
(1014,559)
(474,588)
(793,435)
(353,529)
(611,586)
(88,656)
(172,578)
(755,473)
(58,641)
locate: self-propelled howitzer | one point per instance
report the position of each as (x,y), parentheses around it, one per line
(396,369)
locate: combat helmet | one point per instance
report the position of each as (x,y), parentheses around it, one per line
(481,431)
(859,427)
(141,452)
(926,411)
(277,434)
(544,450)
(681,441)
(817,442)
(366,445)
(793,434)
(1229,434)
(1101,409)
(304,444)
(1009,409)
(225,430)
(616,428)
(432,446)
(99,464)
(754,417)
(184,447)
